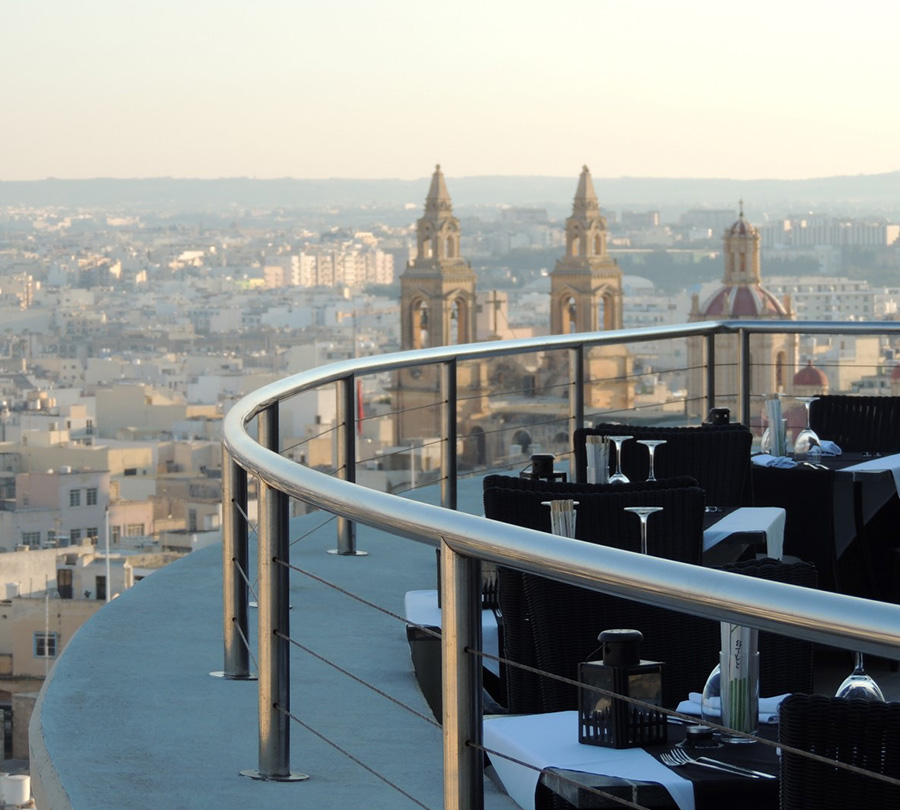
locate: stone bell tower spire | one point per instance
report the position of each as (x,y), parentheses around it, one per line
(586,284)
(438,287)
(586,296)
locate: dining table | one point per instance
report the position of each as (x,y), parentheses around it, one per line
(537,756)
(865,507)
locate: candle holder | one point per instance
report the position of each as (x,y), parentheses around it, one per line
(608,721)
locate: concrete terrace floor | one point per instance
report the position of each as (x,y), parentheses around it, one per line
(131,717)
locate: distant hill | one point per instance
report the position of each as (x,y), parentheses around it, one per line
(870,192)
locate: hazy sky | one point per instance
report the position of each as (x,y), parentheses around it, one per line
(360,88)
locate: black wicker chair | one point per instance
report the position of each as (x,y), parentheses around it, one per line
(717,457)
(566,620)
(858,424)
(676,532)
(855,732)
(806,495)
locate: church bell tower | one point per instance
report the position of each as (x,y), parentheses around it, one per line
(586,296)
(438,308)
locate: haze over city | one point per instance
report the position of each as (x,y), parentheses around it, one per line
(360,90)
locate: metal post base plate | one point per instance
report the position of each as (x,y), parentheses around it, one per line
(291,777)
(350,554)
(224,675)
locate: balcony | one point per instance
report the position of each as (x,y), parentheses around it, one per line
(132,717)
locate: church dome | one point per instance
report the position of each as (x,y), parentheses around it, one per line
(742,301)
(811,377)
(742,228)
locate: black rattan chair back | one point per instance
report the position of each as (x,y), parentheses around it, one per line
(806,495)
(858,424)
(855,732)
(717,458)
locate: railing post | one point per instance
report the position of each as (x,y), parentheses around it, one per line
(462,696)
(710,371)
(274,622)
(235,559)
(744,362)
(346,460)
(448,431)
(576,397)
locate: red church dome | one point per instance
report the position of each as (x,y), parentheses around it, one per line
(742,301)
(811,377)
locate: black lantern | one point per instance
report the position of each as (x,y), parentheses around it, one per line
(718,416)
(542,469)
(610,722)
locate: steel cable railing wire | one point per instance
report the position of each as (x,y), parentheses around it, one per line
(436,634)
(362,682)
(562,679)
(307,440)
(352,758)
(246,643)
(687,718)
(594,791)
(409,448)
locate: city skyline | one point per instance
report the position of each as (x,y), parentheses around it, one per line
(353,90)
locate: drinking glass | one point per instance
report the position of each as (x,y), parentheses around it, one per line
(859,685)
(618,477)
(643,512)
(807,441)
(651,445)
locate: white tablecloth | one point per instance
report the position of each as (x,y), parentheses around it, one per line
(551,741)
(768,519)
(420,607)
(891,463)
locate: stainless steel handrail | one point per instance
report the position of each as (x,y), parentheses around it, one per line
(870,627)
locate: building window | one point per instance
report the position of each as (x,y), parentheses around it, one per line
(74,497)
(115,532)
(32,539)
(89,428)
(100,587)
(91,496)
(130,471)
(64,583)
(92,534)
(134,529)
(75,537)
(45,645)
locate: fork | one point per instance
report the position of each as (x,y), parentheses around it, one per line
(677,757)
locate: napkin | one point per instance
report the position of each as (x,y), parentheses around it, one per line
(768,707)
(765,460)
(829,448)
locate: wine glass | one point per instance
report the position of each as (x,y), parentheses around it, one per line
(859,685)
(619,477)
(643,512)
(807,441)
(651,445)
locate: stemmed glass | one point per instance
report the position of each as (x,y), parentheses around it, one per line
(859,685)
(618,477)
(643,512)
(651,445)
(807,441)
